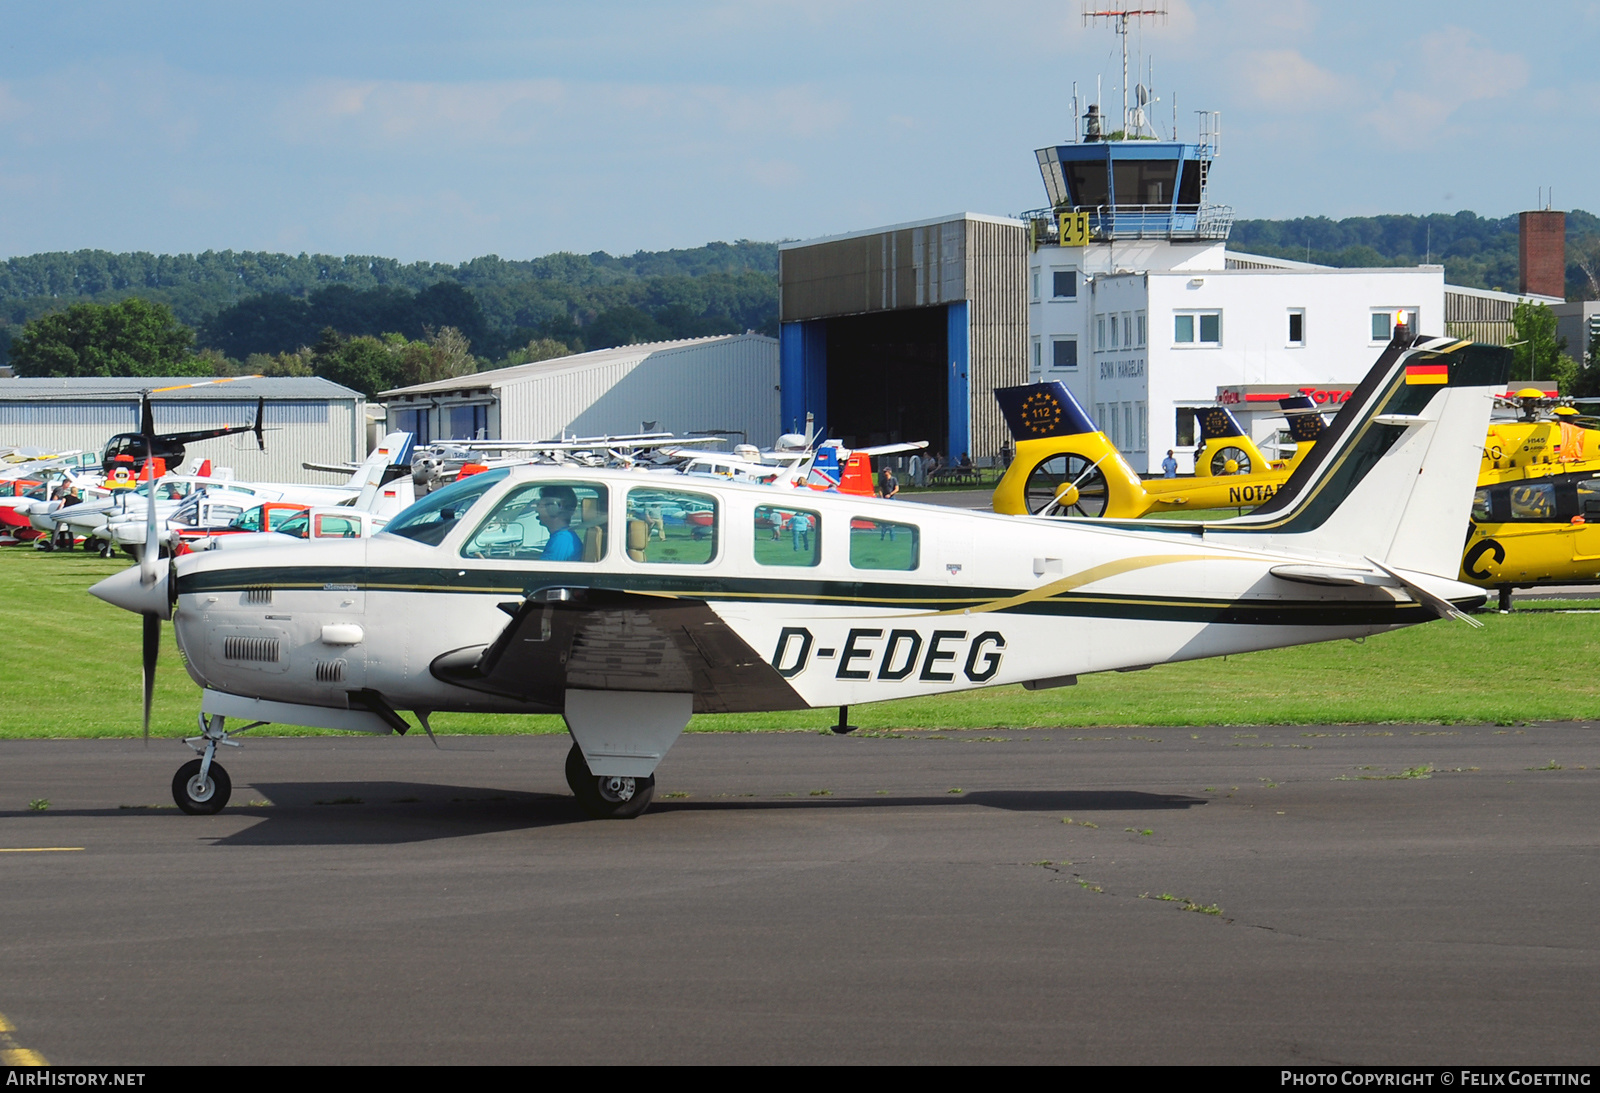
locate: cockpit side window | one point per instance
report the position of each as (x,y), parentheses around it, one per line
(545,521)
(432,518)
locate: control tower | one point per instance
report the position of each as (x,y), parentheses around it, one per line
(1104,190)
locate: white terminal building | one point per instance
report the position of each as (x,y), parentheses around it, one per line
(1136,304)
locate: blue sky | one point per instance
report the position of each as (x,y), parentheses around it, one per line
(427,131)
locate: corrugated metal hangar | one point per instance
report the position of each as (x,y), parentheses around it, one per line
(726,385)
(904,332)
(308,419)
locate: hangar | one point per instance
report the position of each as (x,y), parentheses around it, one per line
(725,385)
(308,419)
(904,332)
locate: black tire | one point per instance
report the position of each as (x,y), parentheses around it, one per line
(197,801)
(607,798)
(90,545)
(1094,492)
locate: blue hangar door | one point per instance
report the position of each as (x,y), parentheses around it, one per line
(880,378)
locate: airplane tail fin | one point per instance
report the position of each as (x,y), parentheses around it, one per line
(1225,448)
(1391,479)
(394,448)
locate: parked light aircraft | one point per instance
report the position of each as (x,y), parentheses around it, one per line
(169,447)
(1065,464)
(544,589)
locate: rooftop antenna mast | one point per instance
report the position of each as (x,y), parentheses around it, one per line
(1118,17)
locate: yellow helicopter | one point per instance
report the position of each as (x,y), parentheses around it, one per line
(1536,513)
(1066,464)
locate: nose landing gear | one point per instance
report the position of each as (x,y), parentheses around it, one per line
(201,787)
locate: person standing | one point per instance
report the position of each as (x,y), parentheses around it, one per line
(887,486)
(800,530)
(1169,466)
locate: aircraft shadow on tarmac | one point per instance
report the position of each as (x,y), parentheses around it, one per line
(378,813)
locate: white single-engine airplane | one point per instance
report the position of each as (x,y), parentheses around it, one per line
(628,602)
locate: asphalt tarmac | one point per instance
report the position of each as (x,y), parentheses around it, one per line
(1341,895)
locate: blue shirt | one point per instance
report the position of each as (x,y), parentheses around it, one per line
(1169,467)
(563,546)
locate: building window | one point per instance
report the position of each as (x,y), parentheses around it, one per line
(1099,332)
(1197,328)
(1127,425)
(1038,366)
(1035,282)
(1144,425)
(1183,431)
(1107,425)
(1066,284)
(1383,322)
(1063,354)
(1139,318)
(1114,342)
(1297,326)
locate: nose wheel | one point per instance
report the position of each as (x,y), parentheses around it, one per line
(201,793)
(610,797)
(201,787)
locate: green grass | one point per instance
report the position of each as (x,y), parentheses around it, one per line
(71,669)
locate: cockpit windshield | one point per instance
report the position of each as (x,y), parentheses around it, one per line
(430,519)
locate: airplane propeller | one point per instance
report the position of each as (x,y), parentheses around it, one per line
(148,557)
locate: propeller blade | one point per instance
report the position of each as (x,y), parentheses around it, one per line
(152,649)
(151,553)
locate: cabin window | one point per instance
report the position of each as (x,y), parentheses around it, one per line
(1065,285)
(544,521)
(436,515)
(882,544)
(299,526)
(674,527)
(1533,502)
(785,536)
(1480,506)
(1589,499)
(337,527)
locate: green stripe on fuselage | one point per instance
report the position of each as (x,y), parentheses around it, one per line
(920,599)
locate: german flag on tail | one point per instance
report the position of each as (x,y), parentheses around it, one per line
(1424,372)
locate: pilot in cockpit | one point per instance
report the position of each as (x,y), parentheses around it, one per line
(555,508)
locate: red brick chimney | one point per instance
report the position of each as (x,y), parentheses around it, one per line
(1542,253)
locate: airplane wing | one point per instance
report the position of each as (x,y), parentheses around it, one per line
(332,468)
(601,639)
(890,449)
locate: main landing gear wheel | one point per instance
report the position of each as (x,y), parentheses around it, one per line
(1089,492)
(199,798)
(608,798)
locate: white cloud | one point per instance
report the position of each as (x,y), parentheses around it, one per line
(1284,80)
(1452,68)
